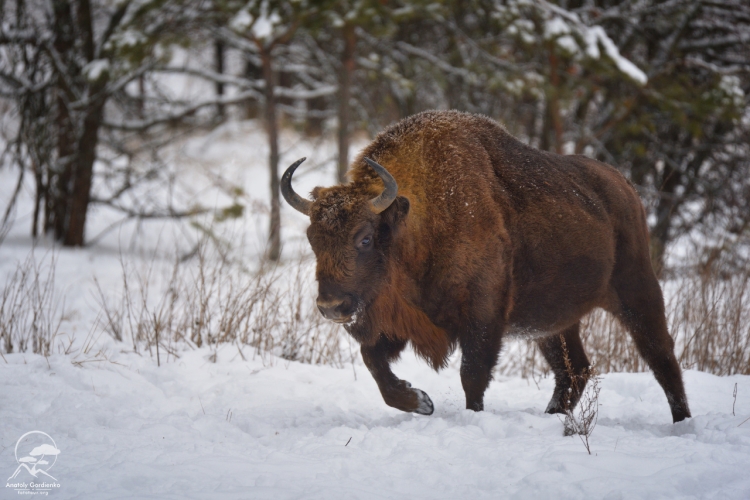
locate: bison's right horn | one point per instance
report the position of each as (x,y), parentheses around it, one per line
(384,200)
(296,201)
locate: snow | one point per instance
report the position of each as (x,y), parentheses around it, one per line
(732,87)
(260,28)
(241,21)
(231,424)
(555,27)
(568,44)
(127,38)
(95,69)
(248,429)
(263,27)
(613,53)
(558,29)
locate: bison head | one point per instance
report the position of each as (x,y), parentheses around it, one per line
(351,232)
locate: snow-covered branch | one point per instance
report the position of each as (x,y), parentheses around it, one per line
(593,36)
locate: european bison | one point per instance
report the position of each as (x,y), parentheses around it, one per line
(451,232)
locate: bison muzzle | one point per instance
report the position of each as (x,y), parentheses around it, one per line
(451,232)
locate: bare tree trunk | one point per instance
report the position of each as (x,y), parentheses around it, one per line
(554,100)
(664,212)
(219,56)
(83,169)
(285,79)
(252,72)
(274,233)
(141,103)
(68,189)
(345,80)
(38,197)
(314,124)
(660,237)
(56,206)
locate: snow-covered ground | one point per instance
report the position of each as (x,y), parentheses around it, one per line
(247,429)
(250,426)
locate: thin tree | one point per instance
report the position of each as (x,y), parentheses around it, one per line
(67,61)
(261,30)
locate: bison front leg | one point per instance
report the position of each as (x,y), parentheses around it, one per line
(396,392)
(479,351)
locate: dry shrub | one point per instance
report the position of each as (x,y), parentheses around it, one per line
(214,302)
(608,344)
(710,319)
(30,310)
(583,421)
(708,313)
(522,358)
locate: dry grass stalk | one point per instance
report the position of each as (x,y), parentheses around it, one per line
(214,302)
(30,310)
(710,318)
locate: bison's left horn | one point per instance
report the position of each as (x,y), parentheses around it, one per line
(384,200)
(296,201)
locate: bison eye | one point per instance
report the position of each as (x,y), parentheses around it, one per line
(365,243)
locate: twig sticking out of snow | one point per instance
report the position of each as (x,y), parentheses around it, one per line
(584,421)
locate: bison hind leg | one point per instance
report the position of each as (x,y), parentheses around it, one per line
(641,311)
(565,355)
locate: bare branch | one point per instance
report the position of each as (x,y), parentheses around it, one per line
(142,125)
(132,214)
(114,22)
(721,41)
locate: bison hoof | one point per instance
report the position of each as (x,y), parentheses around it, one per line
(680,414)
(425,406)
(553,407)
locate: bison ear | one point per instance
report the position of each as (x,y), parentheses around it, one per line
(316,192)
(397,212)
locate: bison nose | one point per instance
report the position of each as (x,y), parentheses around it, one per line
(335,310)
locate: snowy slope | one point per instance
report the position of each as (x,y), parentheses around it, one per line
(242,429)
